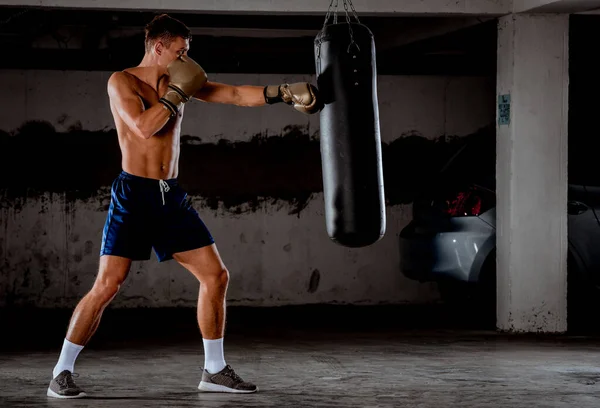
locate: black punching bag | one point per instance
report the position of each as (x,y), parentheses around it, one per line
(350,135)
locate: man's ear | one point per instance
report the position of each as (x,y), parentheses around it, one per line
(159,47)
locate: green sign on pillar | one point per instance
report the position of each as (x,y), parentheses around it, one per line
(503,109)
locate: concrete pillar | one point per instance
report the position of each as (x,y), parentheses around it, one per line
(532,173)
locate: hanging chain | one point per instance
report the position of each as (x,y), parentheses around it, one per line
(335,13)
(328,14)
(319,41)
(350,25)
(348,19)
(346,2)
(353,11)
(334,4)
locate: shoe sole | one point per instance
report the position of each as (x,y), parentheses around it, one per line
(208,387)
(52,394)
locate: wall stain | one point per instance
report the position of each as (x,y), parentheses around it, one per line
(240,176)
(315,279)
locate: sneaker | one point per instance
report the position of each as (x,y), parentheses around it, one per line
(225,380)
(63,386)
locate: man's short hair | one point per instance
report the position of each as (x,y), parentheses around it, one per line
(165,28)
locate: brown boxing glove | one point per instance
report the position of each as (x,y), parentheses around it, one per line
(186,78)
(304,97)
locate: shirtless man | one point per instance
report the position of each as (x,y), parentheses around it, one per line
(149,209)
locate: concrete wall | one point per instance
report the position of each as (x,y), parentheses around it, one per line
(269,227)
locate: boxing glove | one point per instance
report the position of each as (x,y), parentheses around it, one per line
(302,96)
(186,78)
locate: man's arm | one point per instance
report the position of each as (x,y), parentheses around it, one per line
(144,123)
(302,96)
(245,95)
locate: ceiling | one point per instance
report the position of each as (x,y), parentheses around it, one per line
(108,40)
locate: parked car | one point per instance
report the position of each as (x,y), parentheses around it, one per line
(451,239)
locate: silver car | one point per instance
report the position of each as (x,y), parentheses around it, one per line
(451,239)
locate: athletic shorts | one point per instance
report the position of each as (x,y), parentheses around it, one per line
(147,213)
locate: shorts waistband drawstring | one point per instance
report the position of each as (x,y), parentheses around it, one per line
(164,188)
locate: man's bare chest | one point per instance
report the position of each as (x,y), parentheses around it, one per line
(150,96)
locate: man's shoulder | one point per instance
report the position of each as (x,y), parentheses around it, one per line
(120,76)
(120,80)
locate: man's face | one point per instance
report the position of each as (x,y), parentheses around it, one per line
(179,46)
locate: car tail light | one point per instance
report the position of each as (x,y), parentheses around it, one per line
(469,202)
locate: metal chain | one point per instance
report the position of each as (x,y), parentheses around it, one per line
(353,11)
(346,10)
(328,14)
(348,19)
(350,25)
(335,14)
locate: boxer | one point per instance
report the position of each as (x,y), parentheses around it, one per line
(148,207)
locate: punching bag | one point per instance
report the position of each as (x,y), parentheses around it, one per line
(350,137)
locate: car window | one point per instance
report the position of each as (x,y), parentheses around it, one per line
(472,160)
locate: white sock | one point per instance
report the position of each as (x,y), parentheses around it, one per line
(67,358)
(214,361)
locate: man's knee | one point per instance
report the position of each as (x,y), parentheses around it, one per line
(105,290)
(218,278)
(112,272)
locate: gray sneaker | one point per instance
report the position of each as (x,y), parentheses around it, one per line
(225,380)
(63,386)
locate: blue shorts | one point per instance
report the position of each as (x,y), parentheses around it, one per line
(147,213)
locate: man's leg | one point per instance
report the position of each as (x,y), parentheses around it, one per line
(85,320)
(206,265)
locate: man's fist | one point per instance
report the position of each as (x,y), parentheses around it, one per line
(186,78)
(303,96)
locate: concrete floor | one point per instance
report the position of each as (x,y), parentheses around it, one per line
(130,364)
